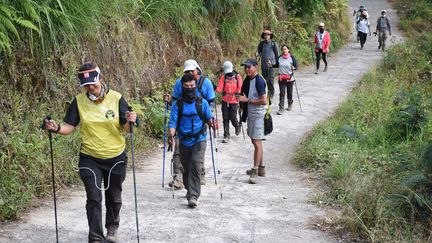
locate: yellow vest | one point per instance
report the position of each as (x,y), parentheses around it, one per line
(101,132)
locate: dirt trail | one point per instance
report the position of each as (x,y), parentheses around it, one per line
(275,210)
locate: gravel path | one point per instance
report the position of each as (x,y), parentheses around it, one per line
(274,210)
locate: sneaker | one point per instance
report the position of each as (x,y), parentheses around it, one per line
(178,184)
(253,179)
(317,71)
(325,69)
(289,107)
(237,130)
(192,202)
(280,112)
(111,235)
(261,171)
(225,140)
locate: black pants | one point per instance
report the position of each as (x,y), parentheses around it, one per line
(229,113)
(318,58)
(192,159)
(268,74)
(363,37)
(113,199)
(285,88)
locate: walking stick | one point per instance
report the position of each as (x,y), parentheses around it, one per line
(52,174)
(131,124)
(164,147)
(217,162)
(217,120)
(298,96)
(212,154)
(241,124)
(170,148)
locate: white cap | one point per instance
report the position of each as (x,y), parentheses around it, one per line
(228,67)
(321,24)
(191,65)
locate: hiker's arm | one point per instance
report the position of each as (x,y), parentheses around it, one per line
(388,25)
(71,120)
(63,129)
(171,134)
(239,83)
(172,124)
(220,85)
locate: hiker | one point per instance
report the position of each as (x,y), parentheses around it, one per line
(229,84)
(204,89)
(363,29)
(383,24)
(104,115)
(286,64)
(268,52)
(322,46)
(253,100)
(189,115)
(357,16)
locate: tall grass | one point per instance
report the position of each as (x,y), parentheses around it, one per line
(375,153)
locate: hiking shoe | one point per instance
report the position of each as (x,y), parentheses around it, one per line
(253,179)
(225,140)
(261,171)
(280,112)
(289,107)
(111,235)
(317,71)
(192,202)
(325,69)
(178,184)
(237,130)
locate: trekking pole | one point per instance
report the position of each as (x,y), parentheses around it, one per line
(298,96)
(212,154)
(217,162)
(131,124)
(170,148)
(241,124)
(164,146)
(52,174)
(216,113)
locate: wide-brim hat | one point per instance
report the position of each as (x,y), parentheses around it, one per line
(88,77)
(267,32)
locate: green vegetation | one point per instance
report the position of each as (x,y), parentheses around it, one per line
(140,46)
(375,154)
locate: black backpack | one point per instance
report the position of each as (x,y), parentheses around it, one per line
(198,107)
(200,83)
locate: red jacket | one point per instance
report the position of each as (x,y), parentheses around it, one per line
(325,42)
(228,88)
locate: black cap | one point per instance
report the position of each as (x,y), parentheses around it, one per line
(250,62)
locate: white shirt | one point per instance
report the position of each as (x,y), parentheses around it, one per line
(363,26)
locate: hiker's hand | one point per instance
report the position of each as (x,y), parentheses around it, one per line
(167,98)
(213,123)
(243,98)
(51,125)
(269,64)
(131,116)
(171,141)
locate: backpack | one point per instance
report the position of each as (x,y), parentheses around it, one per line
(198,107)
(225,78)
(200,83)
(273,45)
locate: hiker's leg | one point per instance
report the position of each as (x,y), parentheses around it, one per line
(282,92)
(185,157)
(290,92)
(271,82)
(324,56)
(317,57)
(363,37)
(384,39)
(233,108)
(226,119)
(194,177)
(258,152)
(177,166)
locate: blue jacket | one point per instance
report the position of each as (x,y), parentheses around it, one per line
(190,122)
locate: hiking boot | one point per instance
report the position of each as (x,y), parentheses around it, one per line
(225,140)
(325,69)
(178,184)
(111,235)
(280,112)
(192,202)
(237,130)
(289,107)
(253,179)
(261,171)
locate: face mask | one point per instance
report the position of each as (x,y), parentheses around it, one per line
(188,94)
(321,30)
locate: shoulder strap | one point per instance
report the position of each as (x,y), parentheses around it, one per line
(198,106)
(179,112)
